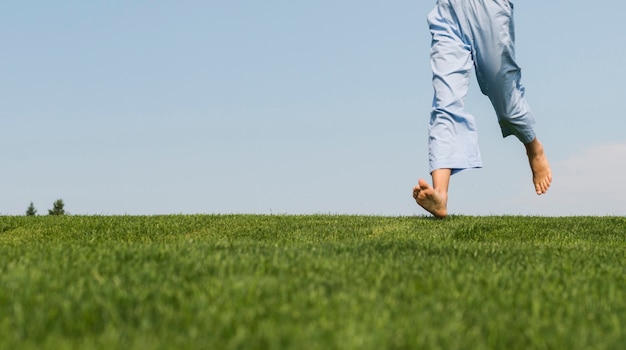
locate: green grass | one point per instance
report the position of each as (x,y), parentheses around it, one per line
(312,282)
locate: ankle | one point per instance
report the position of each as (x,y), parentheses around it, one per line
(534,148)
(443,193)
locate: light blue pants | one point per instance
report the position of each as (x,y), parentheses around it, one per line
(475,34)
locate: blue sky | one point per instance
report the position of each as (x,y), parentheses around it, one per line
(297,107)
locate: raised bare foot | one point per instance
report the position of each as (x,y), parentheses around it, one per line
(430,199)
(542,175)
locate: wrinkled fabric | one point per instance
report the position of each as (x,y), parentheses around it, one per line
(479,35)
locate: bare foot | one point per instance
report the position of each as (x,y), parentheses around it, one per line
(430,199)
(542,175)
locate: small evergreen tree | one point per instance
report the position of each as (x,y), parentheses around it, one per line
(57,208)
(31,211)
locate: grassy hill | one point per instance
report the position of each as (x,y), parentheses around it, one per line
(312,282)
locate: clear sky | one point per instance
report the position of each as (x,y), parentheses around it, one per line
(296,107)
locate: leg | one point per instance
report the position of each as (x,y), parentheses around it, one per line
(434,199)
(452,142)
(499,77)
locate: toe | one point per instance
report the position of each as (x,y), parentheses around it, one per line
(423,185)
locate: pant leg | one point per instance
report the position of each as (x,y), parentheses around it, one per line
(492,29)
(453,140)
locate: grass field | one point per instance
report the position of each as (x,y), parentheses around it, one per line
(312,282)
